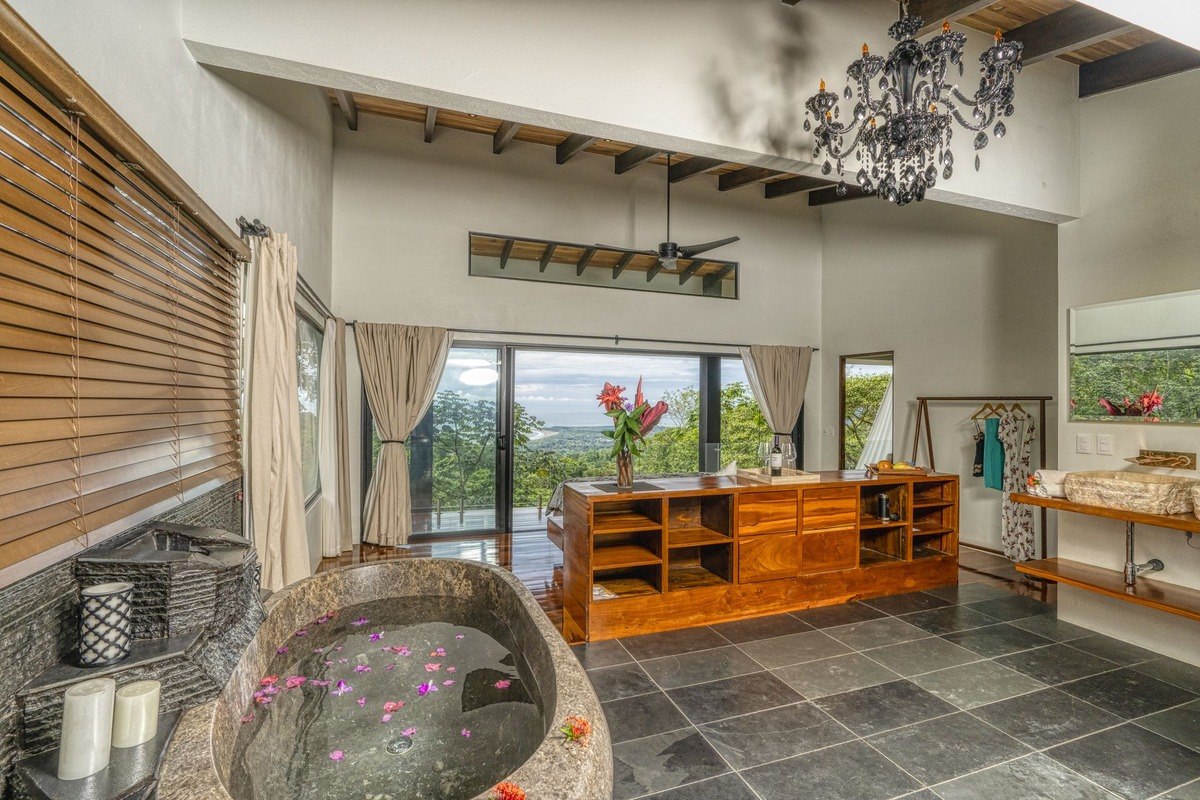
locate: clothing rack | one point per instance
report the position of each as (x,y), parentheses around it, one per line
(923,420)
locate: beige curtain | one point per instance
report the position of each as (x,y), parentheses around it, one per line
(273,418)
(334,442)
(401,366)
(778,376)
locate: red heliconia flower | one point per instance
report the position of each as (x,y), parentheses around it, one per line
(610,396)
(652,416)
(507,790)
(638,397)
(1112,410)
(1152,401)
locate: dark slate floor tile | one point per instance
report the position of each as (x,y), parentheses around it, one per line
(880,708)
(726,787)
(601,654)
(774,734)
(1127,693)
(850,771)
(1052,628)
(970,592)
(642,715)
(708,702)
(996,640)
(1046,718)
(1180,724)
(1034,777)
(672,643)
(623,680)
(671,672)
(748,630)
(1012,607)
(923,655)
(876,633)
(835,675)
(1114,650)
(1131,761)
(832,616)
(797,648)
(897,604)
(663,762)
(976,684)
(1179,673)
(1190,791)
(940,749)
(1056,664)
(948,620)
(924,794)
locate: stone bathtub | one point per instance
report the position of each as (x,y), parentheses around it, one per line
(327,705)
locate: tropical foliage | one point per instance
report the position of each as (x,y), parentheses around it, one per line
(1155,385)
(864,394)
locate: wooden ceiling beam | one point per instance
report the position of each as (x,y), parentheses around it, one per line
(571,146)
(743,176)
(582,263)
(652,273)
(633,157)
(430,123)
(506,252)
(1146,63)
(934,11)
(345,101)
(692,166)
(823,197)
(713,281)
(786,186)
(691,270)
(547,254)
(1066,30)
(622,264)
(503,135)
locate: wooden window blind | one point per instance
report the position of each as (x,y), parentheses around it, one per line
(119,336)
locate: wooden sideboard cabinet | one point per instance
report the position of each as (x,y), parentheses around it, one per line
(691,551)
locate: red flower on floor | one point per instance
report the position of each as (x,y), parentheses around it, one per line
(508,790)
(576,729)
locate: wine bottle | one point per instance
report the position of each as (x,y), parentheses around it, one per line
(776,461)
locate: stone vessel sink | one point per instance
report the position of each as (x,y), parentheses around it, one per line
(311,743)
(1143,492)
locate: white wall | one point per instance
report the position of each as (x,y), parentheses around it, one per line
(965,298)
(1138,237)
(725,78)
(249,145)
(403,208)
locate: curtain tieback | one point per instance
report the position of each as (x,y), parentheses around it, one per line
(393,441)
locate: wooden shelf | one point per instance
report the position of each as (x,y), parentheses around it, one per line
(932,503)
(937,530)
(623,522)
(1110,582)
(874,523)
(925,551)
(619,556)
(690,576)
(695,537)
(626,586)
(1179,522)
(869,558)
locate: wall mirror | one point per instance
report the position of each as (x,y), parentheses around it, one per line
(1136,360)
(522,258)
(866,409)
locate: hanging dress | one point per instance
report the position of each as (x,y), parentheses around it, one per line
(1016,435)
(993,454)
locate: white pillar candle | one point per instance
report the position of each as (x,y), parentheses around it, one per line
(135,716)
(86,728)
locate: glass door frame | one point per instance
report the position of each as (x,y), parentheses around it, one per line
(842,360)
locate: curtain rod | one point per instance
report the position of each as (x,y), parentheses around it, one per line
(256,228)
(616,338)
(982,398)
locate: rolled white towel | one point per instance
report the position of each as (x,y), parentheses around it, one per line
(1048,483)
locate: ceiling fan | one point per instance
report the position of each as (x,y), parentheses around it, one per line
(668,252)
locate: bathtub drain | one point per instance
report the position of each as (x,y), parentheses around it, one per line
(401,744)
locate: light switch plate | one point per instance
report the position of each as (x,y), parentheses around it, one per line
(1104,445)
(1085,443)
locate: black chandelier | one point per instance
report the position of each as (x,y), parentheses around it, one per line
(901,136)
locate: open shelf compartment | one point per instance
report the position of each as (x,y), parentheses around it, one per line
(623,516)
(881,545)
(699,520)
(933,528)
(868,506)
(693,567)
(614,584)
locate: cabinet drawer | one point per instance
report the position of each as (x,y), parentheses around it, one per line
(766,512)
(768,558)
(830,508)
(829,550)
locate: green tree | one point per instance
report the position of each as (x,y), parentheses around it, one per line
(864,394)
(742,426)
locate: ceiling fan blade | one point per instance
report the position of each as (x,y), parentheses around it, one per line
(696,249)
(626,249)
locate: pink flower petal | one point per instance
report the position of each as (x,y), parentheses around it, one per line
(248,718)
(280,650)
(375,637)
(408,731)
(390,667)
(432,667)
(302,633)
(360,622)
(466,733)
(269,680)
(362,702)
(295,681)
(392,706)
(362,668)
(386,718)
(462,636)
(337,755)
(503,684)
(447,683)
(451,669)
(439,652)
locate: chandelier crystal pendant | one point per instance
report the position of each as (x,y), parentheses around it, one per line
(901,136)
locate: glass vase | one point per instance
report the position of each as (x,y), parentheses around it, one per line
(625,469)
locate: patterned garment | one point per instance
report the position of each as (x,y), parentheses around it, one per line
(1016,435)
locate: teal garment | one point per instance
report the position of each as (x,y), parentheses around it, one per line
(993,455)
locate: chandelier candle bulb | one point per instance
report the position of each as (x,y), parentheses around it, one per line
(135,714)
(86,734)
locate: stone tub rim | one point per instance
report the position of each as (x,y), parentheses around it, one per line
(557,769)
